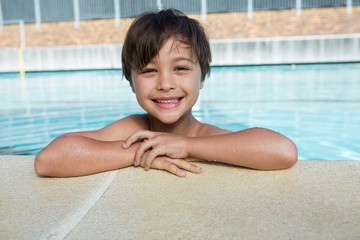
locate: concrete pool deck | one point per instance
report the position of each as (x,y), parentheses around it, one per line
(312,200)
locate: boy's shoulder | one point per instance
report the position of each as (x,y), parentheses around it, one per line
(210,130)
(123,128)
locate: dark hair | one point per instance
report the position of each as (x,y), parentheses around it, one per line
(149,32)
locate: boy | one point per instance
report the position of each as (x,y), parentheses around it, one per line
(166,57)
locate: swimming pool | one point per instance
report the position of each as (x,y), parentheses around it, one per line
(317,106)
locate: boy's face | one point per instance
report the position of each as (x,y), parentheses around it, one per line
(168,86)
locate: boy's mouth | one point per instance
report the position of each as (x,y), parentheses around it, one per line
(168,102)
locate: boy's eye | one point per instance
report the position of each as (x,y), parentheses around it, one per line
(181,68)
(148,70)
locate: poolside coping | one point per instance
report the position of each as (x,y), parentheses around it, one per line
(312,200)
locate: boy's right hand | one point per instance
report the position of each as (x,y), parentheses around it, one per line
(178,167)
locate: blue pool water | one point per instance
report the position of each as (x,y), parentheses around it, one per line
(317,106)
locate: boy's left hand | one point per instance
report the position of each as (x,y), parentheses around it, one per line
(178,167)
(157,144)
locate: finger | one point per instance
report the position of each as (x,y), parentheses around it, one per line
(132,139)
(138,135)
(153,153)
(146,146)
(170,167)
(185,165)
(138,163)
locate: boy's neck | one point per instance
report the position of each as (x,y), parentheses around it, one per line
(186,126)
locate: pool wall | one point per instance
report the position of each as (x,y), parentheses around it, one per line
(312,200)
(248,51)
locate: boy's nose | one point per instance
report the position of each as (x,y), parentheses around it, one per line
(166,82)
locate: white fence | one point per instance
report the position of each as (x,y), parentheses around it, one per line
(284,50)
(287,50)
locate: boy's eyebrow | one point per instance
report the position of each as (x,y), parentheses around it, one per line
(178,59)
(184,58)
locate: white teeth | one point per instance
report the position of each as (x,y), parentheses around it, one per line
(168,100)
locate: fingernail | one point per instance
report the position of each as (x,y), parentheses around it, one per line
(183,174)
(199,169)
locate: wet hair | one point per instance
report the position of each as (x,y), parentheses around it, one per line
(149,32)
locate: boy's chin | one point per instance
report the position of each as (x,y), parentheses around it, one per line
(168,119)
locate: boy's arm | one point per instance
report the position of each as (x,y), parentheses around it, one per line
(83,153)
(76,155)
(256,148)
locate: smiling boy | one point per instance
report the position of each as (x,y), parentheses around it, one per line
(166,57)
